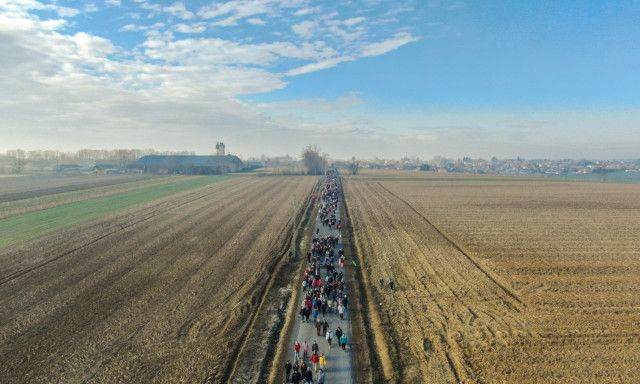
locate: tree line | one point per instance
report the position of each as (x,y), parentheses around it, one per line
(20,161)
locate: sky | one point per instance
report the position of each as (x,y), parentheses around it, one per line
(368,78)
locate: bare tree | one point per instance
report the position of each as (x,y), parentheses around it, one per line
(354,166)
(313,160)
(19,159)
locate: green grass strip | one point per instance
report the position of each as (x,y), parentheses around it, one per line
(32,225)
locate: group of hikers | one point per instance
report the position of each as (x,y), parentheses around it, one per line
(322,296)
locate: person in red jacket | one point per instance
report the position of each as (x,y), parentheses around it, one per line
(315,359)
(296,348)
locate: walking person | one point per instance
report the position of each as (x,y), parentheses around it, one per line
(325,326)
(321,376)
(315,359)
(391,283)
(305,350)
(308,376)
(329,337)
(296,348)
(318,327)
(338,333)
(341,311)
(296,377)
(314,347)
(322,361)
(381,283)
(343,342)
(287,370)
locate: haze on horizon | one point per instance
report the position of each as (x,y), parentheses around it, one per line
(367,78)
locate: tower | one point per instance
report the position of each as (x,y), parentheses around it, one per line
(219,149)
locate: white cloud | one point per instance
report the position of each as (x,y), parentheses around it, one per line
(256,21)
(91,7)
(238,9)
(50,69)
(353,21)
(320,65)
(193,28)
(21,8)
(92,46)
(228,22)
(179,10)
(215,51)
(137,28)
(379,48)
(308,11)
(304,29)
(155,8)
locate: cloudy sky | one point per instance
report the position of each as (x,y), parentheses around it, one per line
(386,78)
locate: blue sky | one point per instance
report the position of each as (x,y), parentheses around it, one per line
(383,78)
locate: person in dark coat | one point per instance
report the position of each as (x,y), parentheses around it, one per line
(287,370)
(296,377)
(309,376)
(296,367)
(338,333)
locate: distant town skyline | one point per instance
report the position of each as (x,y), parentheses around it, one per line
(367,78)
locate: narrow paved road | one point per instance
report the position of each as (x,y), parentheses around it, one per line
(339,364)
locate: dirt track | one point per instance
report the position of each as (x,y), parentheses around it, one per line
(160,293)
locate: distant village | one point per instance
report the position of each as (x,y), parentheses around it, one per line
(131,161)
(495,166)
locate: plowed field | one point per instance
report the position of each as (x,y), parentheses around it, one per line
(163,291)
(501,280)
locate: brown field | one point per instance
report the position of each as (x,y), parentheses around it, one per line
(30,186)
(500,280)
(161,292)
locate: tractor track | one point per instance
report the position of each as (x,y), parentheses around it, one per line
(457,246)
(443,297)
(148,216)
(174,287)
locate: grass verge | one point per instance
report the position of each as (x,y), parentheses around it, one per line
(31,225)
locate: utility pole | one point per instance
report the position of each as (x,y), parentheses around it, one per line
(293,232)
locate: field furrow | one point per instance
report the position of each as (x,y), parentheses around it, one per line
(163,297)
(442,300)
(502,281)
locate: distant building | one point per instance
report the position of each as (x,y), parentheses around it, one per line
(219,149)
(191,165)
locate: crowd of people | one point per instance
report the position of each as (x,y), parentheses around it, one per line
(324,298)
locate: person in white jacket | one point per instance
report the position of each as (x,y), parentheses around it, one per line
(329,337)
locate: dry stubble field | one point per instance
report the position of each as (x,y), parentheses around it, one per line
(160,292)
(501,280)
